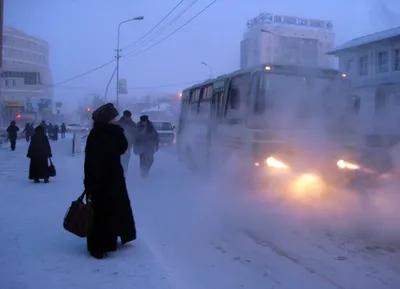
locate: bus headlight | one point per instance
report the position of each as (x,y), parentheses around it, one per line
(344,165)
(272,162)
(307,186)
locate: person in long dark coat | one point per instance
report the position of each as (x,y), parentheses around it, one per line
(56,130)
(49,130)
(39,152)
(28,131)
(63,130)
(12,131)
(105,184)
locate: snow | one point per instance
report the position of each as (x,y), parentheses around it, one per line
(194,232)
(36,252)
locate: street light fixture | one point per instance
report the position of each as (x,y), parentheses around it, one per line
(209,67)
(119,50)
(269,32)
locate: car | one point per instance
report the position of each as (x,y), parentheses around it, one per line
(73,127)
(166,132)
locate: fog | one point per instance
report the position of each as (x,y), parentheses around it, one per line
(84,34)
(227,196)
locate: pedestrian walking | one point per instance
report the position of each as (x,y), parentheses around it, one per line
(129,127)
(39,152)
(28,130)
(63,130)
(49,130)
(105,185)
(146,144)
(12,131)
(44,125)
(56,130)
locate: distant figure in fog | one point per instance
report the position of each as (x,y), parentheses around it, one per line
(146,144)
(63,130)
(129,127)
(105,184)
(56,130)
(43,124)
(12,131)
(39,152)
(49,130)
(28,130)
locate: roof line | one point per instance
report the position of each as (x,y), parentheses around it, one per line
(380,35)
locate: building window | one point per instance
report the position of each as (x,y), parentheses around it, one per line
(363,65)
(382,61)
(396,59)
(349,65)
(6,83)
(13,83)
(30,78)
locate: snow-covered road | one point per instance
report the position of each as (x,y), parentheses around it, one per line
(192,234)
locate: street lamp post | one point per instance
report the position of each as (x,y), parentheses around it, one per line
(119,50)
(209,67)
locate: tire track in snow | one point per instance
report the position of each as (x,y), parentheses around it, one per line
(290,257)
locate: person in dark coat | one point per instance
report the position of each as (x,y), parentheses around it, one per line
(28,132)
(56,130)
(146,144)
(39,152)
(31,130)
(105,184)
(49,130)
(129,127)
(12,131)
(43,124)
(63,130)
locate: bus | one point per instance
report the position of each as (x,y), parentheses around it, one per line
(252,114)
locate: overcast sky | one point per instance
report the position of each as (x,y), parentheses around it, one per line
(83,33)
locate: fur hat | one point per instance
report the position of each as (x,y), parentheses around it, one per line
(144,118)
(127,113)
(105,113)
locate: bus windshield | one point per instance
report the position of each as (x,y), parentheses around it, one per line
(295,95)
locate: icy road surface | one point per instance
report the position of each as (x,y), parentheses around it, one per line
(193,233)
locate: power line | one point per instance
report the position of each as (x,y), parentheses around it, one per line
(173,32)
(139,87)
(151,38)
(57,84)
(155,26)
(85,73)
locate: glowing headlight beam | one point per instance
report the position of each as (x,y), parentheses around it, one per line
(274,163)
(342,164)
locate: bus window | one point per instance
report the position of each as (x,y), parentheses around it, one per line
(237,96)
(204,109)
(194,103)
(219,103)
(259,95)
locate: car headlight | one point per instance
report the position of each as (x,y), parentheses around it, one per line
(272,162)
(344,165)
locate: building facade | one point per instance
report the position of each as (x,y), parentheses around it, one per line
(372,63)
(286,39)
(25,76)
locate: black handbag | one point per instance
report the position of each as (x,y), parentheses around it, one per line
(79,218)
(52,169)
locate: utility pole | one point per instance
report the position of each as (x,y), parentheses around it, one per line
(1,63)
(118,53)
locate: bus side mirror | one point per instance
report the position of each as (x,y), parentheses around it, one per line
(173,127)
